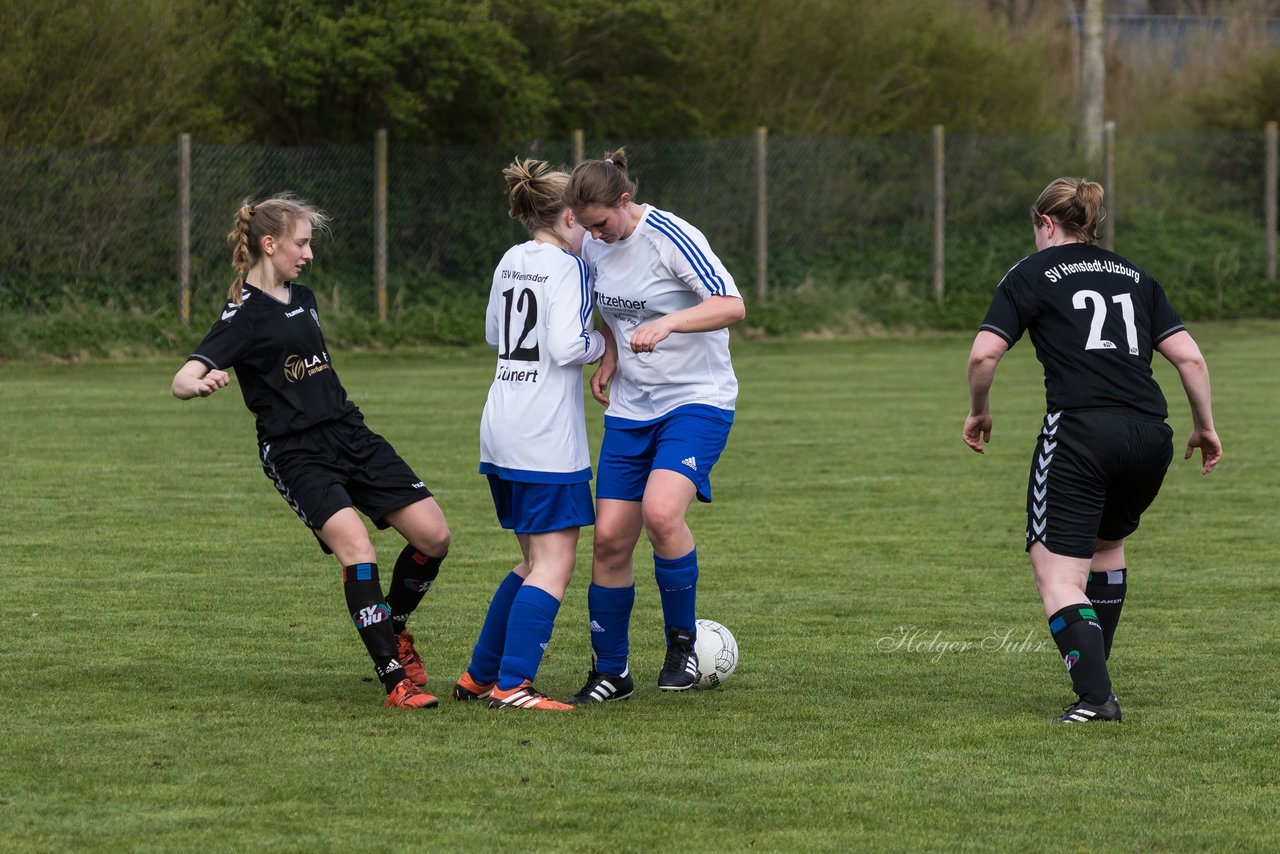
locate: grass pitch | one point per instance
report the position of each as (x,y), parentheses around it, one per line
(177,670)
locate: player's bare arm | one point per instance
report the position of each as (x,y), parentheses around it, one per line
(195,379)
(1184,354)
(988,349)
(713,313)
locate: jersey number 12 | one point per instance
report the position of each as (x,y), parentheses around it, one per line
(1098,303)
(526,348)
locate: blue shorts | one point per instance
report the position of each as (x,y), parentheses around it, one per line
(689,440)
(540,508)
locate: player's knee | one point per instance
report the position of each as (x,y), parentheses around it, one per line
(610,546)
(663,521)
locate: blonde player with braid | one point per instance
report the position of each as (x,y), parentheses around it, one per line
(312,441)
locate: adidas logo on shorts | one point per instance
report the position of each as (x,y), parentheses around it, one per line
(690,462)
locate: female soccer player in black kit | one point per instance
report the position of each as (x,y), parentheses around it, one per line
(312,441)
(1095,320)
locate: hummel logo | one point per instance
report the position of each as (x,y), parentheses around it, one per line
(229,313)
(596,627)
(690,462)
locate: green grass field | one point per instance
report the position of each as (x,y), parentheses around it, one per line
(177,670)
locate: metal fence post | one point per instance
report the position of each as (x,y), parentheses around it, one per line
(380,222)
(579,146)
(184,228)
(1109,185)
(1271,200)
(939,213)
(762,212)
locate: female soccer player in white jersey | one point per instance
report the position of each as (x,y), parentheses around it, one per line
(667,380)
(312,441)
(1096,320)
(533,435)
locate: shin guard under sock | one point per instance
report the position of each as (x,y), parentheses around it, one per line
(1106,591)
(372,617)
(678,589)
(533,616)
(486,657)
(1076,631)
(410,581)
(609,609)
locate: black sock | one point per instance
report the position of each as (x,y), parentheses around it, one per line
(1076,631)
(372,617)
(1106,592)
(410,581)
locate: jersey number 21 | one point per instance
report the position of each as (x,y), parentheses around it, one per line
(1098,303)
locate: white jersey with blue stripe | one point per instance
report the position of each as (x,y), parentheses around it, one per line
(663,266)
(539,320)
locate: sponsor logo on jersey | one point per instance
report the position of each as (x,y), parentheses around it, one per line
(606,301)
(297,311)
(298,368)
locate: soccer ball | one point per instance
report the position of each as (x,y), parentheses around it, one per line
(717,654)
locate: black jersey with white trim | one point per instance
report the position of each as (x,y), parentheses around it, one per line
(279,356)
(1095,320)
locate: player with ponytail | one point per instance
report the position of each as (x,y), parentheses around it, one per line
(667,379)
(313,443)
(533,435)
(1096,320)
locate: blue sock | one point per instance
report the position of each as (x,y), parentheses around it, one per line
(487,655)
(533,615)
(678,587)
(610,611)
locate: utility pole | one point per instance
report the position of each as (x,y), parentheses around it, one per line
(1094,78)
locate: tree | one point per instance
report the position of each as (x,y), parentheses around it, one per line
(108,73)
(320,71)
(826,67)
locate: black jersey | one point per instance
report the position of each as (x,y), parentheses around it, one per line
(280,360)
(1095,321)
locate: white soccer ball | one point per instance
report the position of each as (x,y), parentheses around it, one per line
(717,654)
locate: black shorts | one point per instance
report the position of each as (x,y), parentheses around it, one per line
(336,465)
(1093,474)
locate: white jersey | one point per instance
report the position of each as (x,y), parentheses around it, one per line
(663,266)
(539,320)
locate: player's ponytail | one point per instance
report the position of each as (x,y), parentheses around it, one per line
(274,217)
(1076,204)
(536,193)
(240,256)
(600,182)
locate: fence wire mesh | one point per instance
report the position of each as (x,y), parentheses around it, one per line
(846,213)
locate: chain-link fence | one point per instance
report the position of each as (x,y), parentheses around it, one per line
(840,213)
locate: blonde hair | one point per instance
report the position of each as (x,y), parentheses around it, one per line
(536,193)
(600,182)
(273,217)
(1075,204)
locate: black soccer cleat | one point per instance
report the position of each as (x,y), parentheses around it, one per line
(1084,712)
(680,670)
(603,687)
